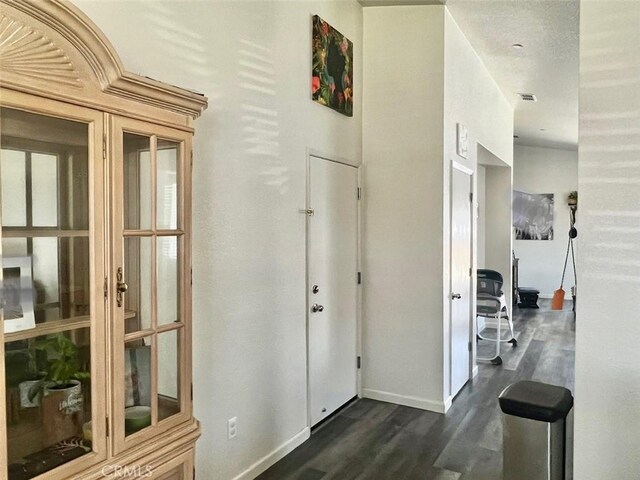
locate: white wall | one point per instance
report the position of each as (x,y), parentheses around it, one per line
(473,99)
(402,251)
(409,138)
(252,59)
(481,189)
(546,170)
(607,417)
(498,222)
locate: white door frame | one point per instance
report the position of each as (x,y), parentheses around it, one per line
(356,164)
(472,354)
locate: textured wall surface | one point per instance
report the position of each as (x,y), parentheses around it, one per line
(253,60)
(607,417)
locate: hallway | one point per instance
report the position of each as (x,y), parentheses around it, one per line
(378,441)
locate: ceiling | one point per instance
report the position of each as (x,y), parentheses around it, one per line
(547,65)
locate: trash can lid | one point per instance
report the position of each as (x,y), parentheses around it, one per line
(536,401)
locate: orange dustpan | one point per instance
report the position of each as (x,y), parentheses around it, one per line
(557,302)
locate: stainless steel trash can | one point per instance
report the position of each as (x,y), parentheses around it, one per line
(535,431)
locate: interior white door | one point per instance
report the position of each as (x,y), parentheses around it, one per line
(461,300)
(333,248)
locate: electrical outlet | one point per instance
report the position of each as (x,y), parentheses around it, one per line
(232,428)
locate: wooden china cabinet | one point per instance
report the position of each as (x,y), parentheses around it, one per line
(95,175)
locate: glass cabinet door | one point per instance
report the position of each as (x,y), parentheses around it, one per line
(152,279)
(51,174)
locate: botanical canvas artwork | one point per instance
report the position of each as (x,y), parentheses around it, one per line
(533,216)
(332,71)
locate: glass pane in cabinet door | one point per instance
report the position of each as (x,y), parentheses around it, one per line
(48,400)
(137,182)
(137,385)
(168,288)
(137,276)
(168,374)
(167,184)
(14,247)
(13,176)
(44,173)
(61,285)
(44,183)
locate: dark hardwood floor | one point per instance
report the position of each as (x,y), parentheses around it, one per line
(377,440)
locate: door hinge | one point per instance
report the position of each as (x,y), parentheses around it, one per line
(192,392)
(359,278)
(358,361)
(104,147)
(107,425)
(359,193)
(106,288)
(192,276)
(470,346)
(471,197)
(470,271)
(192,159)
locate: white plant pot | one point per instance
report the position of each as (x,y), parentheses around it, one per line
(71,398)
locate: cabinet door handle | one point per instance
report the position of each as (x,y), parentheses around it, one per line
(121,287)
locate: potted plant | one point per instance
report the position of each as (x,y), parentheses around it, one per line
(62,401)
(64,373)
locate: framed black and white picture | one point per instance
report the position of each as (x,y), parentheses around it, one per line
(17,294)
(533,216)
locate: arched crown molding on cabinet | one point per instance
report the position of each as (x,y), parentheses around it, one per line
(52,43)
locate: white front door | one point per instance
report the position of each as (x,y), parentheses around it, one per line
(332,285)
(461,300)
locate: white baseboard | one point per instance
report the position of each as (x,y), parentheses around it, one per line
(272,458)
(447,404)
(407,400)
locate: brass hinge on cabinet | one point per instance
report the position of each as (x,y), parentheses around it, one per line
(191,158)
(104,147)
(106,288)
(192,392)
(107,422)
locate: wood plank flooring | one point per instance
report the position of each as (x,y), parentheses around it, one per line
(380,441)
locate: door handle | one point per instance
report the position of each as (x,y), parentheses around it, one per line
(121,286)
(456,296)
(316,308)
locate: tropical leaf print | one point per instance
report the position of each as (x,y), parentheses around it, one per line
(332,68)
